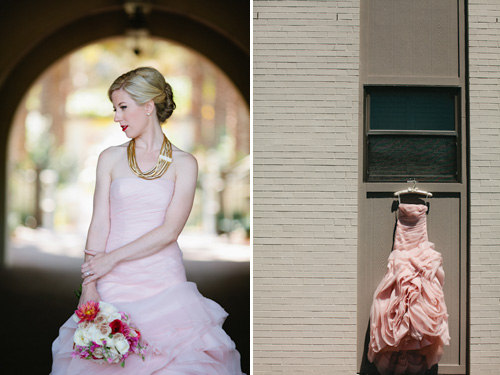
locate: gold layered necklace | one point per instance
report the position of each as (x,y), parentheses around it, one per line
(164,160)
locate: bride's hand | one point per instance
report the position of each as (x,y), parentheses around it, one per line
(97,266)
(89,294)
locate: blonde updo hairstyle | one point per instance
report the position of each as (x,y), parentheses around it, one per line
(145,84)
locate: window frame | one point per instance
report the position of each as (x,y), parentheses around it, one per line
(457,133)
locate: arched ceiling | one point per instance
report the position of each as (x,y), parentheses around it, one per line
(36,33)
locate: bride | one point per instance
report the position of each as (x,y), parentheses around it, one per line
(132,257)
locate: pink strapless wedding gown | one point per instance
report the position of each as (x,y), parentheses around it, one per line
(182,328)
(408,319)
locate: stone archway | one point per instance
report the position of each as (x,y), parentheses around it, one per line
(220,31)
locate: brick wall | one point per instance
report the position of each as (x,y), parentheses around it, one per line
(484,65)
(305,186)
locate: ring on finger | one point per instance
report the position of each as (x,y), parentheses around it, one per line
(87,273)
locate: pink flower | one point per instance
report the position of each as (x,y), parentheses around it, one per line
(87,311)
(105,329)
(125,330)
(136,334)
(99,319)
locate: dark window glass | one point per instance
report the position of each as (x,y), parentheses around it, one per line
(412,108)
(411,133)
(399,157)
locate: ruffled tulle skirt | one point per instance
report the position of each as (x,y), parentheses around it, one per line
(183,331)
(408,319)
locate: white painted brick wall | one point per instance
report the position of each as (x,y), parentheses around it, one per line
(305,186)
(484,65)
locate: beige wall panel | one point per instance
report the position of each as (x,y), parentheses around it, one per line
(444,230)
(484,78)
(421,63)
(376,246)
(305,108)
(402,57)
(380,33)
(413,38)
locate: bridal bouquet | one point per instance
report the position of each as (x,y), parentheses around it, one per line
(104,335)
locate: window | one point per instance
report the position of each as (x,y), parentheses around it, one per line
(412,132)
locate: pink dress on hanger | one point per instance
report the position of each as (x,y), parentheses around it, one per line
(183,329)
(408,318)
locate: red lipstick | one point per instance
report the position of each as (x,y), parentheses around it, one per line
(124,127)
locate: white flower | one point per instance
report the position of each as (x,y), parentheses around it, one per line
(114,317)
(112,349)
(98,353)
(122,346)
(79,337)
(107,308)
(94,334)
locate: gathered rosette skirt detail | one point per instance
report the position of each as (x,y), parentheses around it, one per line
(183,329)
(408,317)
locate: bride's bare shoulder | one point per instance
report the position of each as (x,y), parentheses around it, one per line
(114,151)
(111,155)
(184,161)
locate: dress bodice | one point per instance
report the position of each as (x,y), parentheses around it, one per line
(136,207)
(412,214)
(411,227)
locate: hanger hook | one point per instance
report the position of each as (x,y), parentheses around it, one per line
(414,183)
